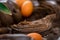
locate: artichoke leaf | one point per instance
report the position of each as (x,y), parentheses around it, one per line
(4,9)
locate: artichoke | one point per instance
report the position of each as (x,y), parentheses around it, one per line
(5,15)
(16,14)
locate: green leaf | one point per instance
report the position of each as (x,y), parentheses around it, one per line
(4,9)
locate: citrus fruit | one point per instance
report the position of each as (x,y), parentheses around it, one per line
(20,2)
(27,8)
(35,36)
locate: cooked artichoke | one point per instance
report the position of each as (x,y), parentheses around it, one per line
(16,14)
(6,19)
(5,15)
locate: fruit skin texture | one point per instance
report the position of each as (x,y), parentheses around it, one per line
(27,8)
(20,2)
(35,36)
